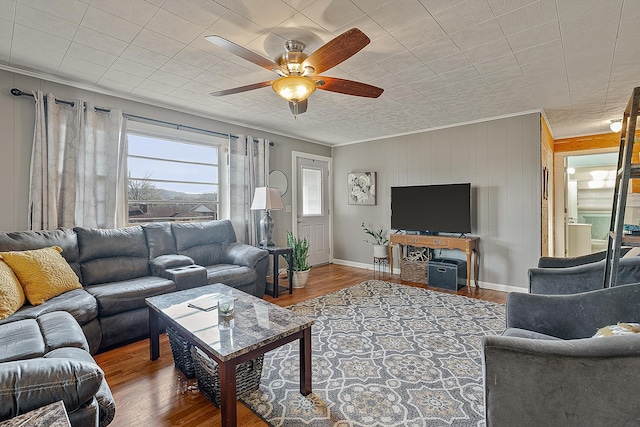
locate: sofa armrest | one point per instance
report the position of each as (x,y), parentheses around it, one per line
(556,262)
(180,269)
(573,316)
(165,262)
(582,278)
(243,254)
(161,264)
(529,382)
(29,384)
(567,280)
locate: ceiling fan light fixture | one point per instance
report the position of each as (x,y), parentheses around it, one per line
(616,125)
(294,88)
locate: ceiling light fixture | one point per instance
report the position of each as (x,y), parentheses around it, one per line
(294,88)
(616,125)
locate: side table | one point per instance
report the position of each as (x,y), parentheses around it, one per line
(53,415)
(276,252)
(380,265)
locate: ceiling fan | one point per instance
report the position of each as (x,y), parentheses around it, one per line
(299,72)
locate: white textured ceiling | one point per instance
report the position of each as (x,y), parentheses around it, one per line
(441,62)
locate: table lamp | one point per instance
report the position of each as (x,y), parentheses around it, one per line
(269,199)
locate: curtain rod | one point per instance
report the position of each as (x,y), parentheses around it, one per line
(179,126)
(18,92)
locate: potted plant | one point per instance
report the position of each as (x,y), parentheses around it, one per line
(379,241)
(299,259)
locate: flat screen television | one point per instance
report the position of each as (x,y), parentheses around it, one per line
(432,208)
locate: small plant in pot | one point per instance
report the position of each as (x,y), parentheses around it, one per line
(299,260)
(379,241)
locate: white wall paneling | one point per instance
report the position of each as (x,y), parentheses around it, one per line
(501,159)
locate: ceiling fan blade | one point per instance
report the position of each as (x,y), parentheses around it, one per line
(241,89)
(337,50)
(348,87)
(246,54)
(299,108)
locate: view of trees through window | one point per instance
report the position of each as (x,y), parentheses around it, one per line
(171,179)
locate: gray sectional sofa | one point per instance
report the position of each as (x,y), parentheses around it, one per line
(46,359)
(118,269)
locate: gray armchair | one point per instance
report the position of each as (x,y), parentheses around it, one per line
(561,276)
(546,370)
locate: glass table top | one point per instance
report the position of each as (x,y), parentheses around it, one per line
(255,322)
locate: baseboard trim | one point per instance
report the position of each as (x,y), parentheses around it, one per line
(503,288)
(483,285)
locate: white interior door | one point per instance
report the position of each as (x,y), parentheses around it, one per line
(312,205)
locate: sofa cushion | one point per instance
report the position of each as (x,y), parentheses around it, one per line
(160,240)
(11,293)
(59,329)
(79,303)
(43,273)
(190,234)
(205,254)
(203,241)
(118,297)
(21,340)
(105,243)
(124,327)
(109,255)
(30,383)
(104,270)
(66,238)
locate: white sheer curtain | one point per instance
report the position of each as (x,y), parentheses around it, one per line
(76,165)
(248,169)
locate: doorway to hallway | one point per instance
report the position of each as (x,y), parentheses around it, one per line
(589,185)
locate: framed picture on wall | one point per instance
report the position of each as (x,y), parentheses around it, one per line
(361,188)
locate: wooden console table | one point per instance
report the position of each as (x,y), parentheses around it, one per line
(468,245)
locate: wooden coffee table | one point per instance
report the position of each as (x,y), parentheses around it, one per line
(258,327)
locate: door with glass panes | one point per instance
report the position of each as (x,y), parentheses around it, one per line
(312,207)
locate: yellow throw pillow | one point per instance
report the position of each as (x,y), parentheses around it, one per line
(11,293)
(43,273)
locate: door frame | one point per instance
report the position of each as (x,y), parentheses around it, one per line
(560,196)
(295,155)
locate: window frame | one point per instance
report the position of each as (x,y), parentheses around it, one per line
(183,136)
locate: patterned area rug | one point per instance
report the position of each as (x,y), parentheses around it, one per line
(383,355)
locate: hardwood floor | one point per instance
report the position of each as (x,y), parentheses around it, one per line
(156,394)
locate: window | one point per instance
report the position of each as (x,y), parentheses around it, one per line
(312,191)
(174,175)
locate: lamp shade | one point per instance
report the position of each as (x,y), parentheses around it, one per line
(294,88)
(267,198)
